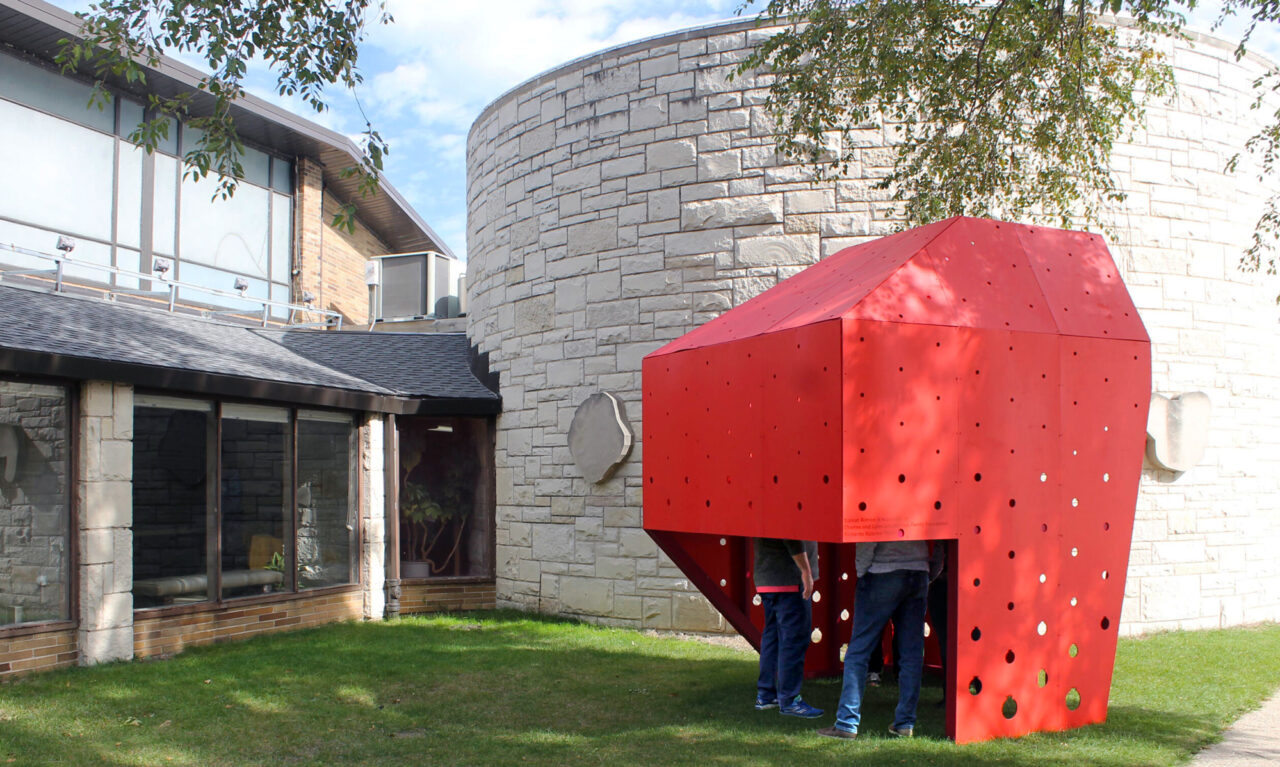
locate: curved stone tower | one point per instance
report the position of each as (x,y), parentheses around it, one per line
(628,197)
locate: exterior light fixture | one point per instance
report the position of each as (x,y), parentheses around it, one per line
(66,244)
(241,285)
(308,297)
(161,266)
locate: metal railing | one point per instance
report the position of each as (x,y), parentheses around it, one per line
(169,295)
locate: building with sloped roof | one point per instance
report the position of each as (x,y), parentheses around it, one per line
(199,438)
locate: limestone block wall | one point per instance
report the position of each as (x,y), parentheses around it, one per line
(104,493)
(625,198)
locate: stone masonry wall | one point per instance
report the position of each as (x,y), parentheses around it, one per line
(104,492)
(624,199)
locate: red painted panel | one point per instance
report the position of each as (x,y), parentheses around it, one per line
(1081,282)
(989,278)
(899,426)
(747,437)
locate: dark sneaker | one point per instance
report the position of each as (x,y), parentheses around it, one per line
(901,732)
(836,732)
(763,703)
(801,709)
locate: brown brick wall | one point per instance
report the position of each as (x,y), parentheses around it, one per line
(38,652)
(445,596)
(331,260)
(167,634)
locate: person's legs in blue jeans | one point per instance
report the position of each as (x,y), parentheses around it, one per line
(767,683)
(795,619)
(908,620)
(875,598)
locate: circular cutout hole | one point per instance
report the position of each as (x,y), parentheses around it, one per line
(975,686)
(844,615)
(816,636)
(977,529)
(826,479)
(1044,477)
(723,583)
(756,600)
(1106,526)
(724,542)
(1106,623)
(1010,708)
(1075,552)
(817,595)
(977,581)
(799,506)
(1075,502)
(708,503)
(1043,577)
(1008,657)
(1042,678)
(1044,528)
(862,506)
(775,479)
(977,477)
(1073,699)
(937,505)
(1010,606)
(1073,651)
(1105,575)
(844,576)
(902,533)
(976,634)
(927,630)
(1012,554)
(1013,502)
(1073,601)
(1106,477)
(1042,628)
(902,478)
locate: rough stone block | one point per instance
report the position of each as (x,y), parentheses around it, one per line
(535,315)
(785,250)
(96,399)
(739,211)
(106,504)
(553,543)
(590,596)
(106,645)
(611,81)
(592,237)
(665,155)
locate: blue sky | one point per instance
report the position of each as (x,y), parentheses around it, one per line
(428,76)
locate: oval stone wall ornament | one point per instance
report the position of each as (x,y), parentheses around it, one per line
(599,436)
(1177,430)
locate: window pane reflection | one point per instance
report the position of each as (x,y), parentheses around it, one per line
(170,501)
(34,518)
(255,503)
(326,503)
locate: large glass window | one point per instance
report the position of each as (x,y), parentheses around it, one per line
(256,503)
(35,520)
(172,497)
(327,505)
(246,527)
(81,177)
(446,497)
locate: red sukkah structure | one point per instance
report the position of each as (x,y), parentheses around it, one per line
(971,381)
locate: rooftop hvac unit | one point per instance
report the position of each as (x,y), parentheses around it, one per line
(417,285)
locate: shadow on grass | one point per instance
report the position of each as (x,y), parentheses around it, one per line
(495,688)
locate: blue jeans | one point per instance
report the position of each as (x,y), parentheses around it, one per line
(899,595)
(787,624)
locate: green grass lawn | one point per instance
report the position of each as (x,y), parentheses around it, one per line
(512,689)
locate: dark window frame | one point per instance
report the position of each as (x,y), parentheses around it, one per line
(214,514)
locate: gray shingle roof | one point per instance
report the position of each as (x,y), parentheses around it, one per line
(80,337)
